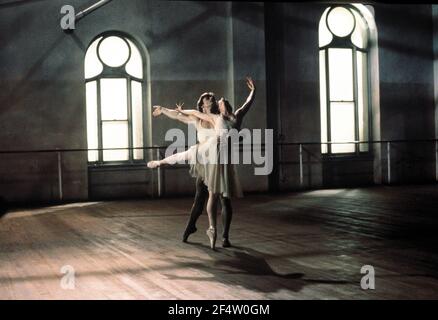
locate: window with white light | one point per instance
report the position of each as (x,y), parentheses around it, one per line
(114,99)
(343,70)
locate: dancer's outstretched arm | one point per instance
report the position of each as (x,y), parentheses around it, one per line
(173,114)
(241,112)
(196,113)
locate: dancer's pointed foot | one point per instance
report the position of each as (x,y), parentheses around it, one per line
(153,164)
(189,230)
(226,243)
(211,233)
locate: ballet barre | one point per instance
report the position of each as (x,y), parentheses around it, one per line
(388,145)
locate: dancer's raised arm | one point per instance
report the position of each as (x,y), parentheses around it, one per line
(240,113)
(173,114)
(195,113)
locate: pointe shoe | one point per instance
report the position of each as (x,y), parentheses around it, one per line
(153,164)
(226,243)
(188,232)
(211,233)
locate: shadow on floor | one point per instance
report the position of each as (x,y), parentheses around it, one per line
(248,268)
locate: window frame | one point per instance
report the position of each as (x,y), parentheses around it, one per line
(119,73)
(346,43)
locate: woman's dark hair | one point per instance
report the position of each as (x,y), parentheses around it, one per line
(214,107)
(228,106)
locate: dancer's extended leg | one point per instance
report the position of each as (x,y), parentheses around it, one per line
(174,158)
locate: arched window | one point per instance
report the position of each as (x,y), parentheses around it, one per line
(114,72)
(344,76)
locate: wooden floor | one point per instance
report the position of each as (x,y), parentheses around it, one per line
(307,245)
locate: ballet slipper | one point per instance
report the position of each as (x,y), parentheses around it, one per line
(211,233)
(153,164)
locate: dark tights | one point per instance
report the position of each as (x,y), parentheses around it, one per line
(201,197)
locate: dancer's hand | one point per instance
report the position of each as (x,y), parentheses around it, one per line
(250,83)
(157,111)
(179,107)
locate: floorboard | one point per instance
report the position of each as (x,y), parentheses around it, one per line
(302,245)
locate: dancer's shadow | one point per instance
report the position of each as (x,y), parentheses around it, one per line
(249,268)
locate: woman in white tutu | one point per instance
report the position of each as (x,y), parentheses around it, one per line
(205,158)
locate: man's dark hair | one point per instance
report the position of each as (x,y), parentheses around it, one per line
(214,106)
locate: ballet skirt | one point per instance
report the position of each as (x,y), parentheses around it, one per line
(205,161)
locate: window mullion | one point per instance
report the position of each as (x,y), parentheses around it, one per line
(356,111)
(99,123)
(129,97)
(369,101)
(327,86)
(143,119)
